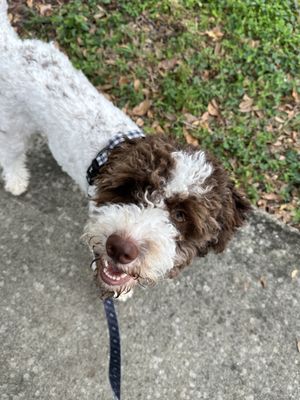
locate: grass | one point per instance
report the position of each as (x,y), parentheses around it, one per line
(222,73)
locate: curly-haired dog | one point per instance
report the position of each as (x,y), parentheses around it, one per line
(155,204)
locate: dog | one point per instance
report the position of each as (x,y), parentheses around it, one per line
(154,203)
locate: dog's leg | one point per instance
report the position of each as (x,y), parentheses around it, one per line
(12,160)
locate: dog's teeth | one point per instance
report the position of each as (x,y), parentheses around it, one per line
(94,267)
(106,263)
(123,276)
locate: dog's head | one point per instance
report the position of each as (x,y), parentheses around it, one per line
(156,207)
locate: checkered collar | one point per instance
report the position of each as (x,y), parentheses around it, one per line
(103,155)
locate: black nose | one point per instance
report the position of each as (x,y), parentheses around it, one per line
(121,250)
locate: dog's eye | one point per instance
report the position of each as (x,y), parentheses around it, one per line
(179,216)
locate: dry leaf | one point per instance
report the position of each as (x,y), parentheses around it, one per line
(150,114)
(142,108)
(168,65)
(101,13)
(158,129)
(298,346)
(280,120)
(204,117)
(123,80)
(213,108)
(294,135)
(215,34)
(271,196)
(190,118)
(262,203)
(170,117)
(246,105)
(217,50)
(45,9)
(190,139)
(296,96)
(140,122)
(29,3)
(136,85)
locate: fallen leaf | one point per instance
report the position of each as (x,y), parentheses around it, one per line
(168,65)
(271,196)
(101,13)
(213,108)
(140,122)
(142,108)
(204,117)
(298,346)
(280,120)
(123,80)
(218,48)
(171,117)
(150,114)
(296,96)
(159,130)
(246,105)
(205,75)
(262,203)
(190,139)
(29,3)
(294,135)
(215,34)
(190,118)
(136,85)
(45,9)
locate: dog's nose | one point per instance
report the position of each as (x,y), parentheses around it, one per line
(121,250)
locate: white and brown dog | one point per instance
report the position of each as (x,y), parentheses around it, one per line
(155,205)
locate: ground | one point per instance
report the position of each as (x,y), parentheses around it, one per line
(222,74)
(228,328)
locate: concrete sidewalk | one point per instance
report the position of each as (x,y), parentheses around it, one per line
(226,329)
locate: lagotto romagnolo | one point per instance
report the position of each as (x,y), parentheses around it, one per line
(155,204)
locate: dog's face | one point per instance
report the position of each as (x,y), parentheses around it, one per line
(157,207)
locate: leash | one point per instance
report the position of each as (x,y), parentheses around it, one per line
(115,348)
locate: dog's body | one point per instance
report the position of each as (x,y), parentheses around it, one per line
(155,205)
(42,92)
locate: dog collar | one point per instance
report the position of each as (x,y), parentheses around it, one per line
(103,155)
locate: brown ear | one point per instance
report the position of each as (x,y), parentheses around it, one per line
(233,214)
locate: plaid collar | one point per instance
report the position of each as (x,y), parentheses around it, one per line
(102,156)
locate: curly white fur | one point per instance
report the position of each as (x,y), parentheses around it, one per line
(42,92)
(150,228)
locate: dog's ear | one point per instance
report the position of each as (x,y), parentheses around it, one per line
(232,215)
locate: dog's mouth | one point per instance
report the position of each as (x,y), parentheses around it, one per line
(109,273)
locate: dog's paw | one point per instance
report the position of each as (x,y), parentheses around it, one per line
(16,184)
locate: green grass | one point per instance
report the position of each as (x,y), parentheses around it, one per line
(257,54)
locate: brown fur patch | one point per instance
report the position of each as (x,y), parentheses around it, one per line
(133,167)
(211,219)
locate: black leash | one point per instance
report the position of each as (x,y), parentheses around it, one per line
(115,348)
